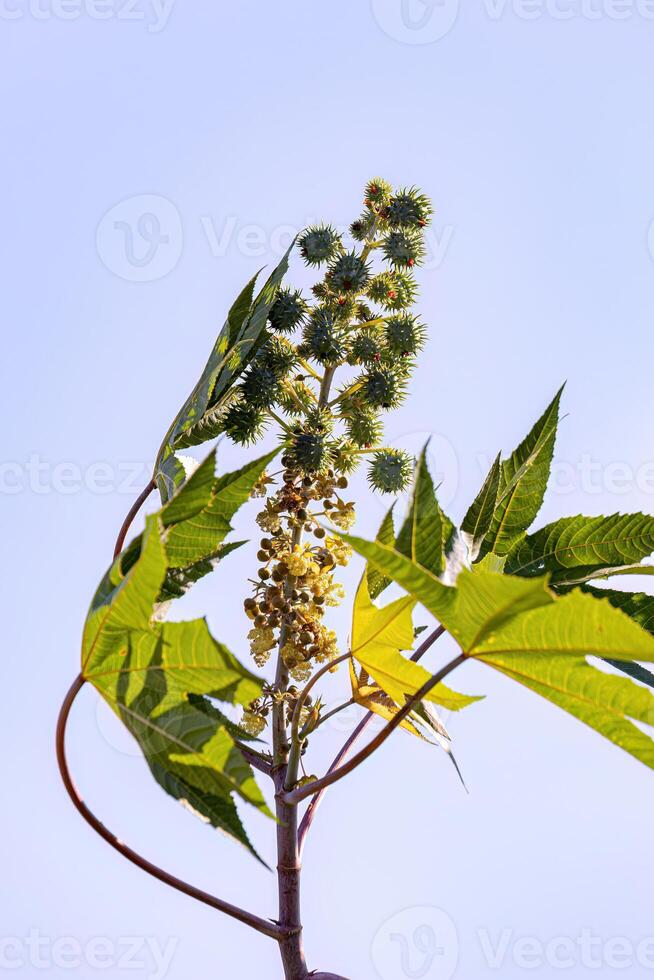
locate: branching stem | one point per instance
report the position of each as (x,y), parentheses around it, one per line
(343,753)
(296,739)
(303,792)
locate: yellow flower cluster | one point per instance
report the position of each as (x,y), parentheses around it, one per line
(300,561)
(343,515)
(269,519)
(340,551)
(262,640)
(252,724)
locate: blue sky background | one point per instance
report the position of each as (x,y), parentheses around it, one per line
(531,128)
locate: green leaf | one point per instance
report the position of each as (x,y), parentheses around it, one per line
(522,484)
(157,678)
(174,470)
(179,580)
(640,607)
(545,649)
(124,602)
(602,701)
(192,661)
(196,522)
(584,546)
(477,522)
(426,532)
(577,623)
(487,601)
(193,495)
(417,581)
(194,539)
(378,583)
(240,338)
(522,628)
(378,636)
(464,610)
(637,605)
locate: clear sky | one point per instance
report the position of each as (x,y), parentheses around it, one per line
(530,125)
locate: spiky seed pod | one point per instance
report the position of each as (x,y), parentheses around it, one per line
(346,458)
(349,273)
(288,311)
(362,228)
(379,287)
(311,452)
(404,335)
(366,347)
(383,388)
(409,209)
(295,398)
(260,386)
(364,428)
(319,244)
(390,471)
(324,337)
(342,305)
(378,191)
(279,355)
(401,293)
(404,248)
(320,419)
(244,423)
(320,290)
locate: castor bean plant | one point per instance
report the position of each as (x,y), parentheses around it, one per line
(322,370)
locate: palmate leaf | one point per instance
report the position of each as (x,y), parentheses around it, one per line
(157,678)
(459,610)
(426,533)
(522,484)
(240,338)
(477,522)
(522,628)
(576,548)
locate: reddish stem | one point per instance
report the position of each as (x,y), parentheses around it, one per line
(133,511)
(264,926)
(310,814)
(310,789)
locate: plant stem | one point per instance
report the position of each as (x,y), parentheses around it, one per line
(264,926)
(288,879)
(296,739)
(343,753)
(334,711)
(133,511)
(285,771)
(325,386)
(307,367)
(303,792)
